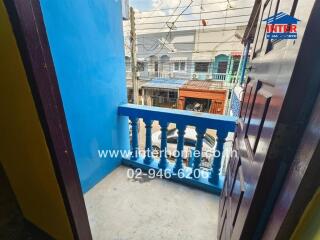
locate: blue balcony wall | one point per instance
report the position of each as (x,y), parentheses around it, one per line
(86,42)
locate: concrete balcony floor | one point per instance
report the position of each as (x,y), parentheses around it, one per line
(120,208)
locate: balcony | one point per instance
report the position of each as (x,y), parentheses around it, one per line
(219,76)
(230,78)
(141,209)
(190,174)
(183,203)
(149,75)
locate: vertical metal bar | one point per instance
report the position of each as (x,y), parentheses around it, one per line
(198,150)
(216,165)
(245,60)
(148,158)
(229,68)
(240,65)
(180,145)
(134,139)
(163,151)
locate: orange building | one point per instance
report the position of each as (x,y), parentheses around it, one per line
(202,96)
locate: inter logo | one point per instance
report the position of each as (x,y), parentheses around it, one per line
(281,26)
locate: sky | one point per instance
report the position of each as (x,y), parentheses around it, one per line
(216,13)
(142,5)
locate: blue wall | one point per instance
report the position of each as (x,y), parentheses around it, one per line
(86,41)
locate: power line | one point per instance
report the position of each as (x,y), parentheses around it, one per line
(194,5)
(199,42)
(215,24)
(166,39)
(194,20)
(196,13)
(155,44)
(203,31)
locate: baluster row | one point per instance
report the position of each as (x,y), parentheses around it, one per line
(163,162)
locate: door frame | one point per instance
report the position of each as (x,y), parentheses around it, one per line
(30,33)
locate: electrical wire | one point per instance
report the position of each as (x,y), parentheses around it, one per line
(196,13)
(194,5)
(202,42)
(166,39)
(204,31)
(193,20)
(161,2)
(165,24)
(183,27)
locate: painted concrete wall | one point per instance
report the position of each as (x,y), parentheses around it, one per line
(24,153)
(86,42)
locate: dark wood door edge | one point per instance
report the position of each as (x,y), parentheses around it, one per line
(28,26)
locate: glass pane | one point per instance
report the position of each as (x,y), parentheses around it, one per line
(222,67)
(176,66)
(201,66)
(182,66)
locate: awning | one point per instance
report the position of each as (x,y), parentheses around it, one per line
(164,83)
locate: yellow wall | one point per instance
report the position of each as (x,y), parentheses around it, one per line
(24,153)
(309,225)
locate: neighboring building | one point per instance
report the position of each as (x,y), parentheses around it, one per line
(223,48)
(162,92)
(163,55)
(211,54)
(130,90)
(196,95)
(208,54)
(202,96)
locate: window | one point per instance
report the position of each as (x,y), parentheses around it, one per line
(182,66)
(156,67)
(222,67)
(201,67)
(176,66)
(179,66)
(173,94)
(128,64)
(140,66)
(235,65)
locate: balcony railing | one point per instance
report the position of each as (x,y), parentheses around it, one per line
(163,74)
(219,76)
(192,175)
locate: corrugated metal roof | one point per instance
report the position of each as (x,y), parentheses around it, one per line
(196,84)
(206,85)
(140,83)
(164,83)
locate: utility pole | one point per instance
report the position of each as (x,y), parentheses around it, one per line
(133,40)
